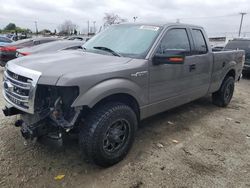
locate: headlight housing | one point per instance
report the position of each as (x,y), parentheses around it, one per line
(46,97)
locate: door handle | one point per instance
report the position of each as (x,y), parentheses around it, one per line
(192,67)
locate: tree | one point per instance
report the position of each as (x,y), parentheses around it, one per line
(112,18)
(45,31)
(75,32)
(10,26)
(67,27)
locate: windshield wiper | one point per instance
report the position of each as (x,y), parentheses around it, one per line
(107,50)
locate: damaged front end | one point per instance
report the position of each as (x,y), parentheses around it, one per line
(43,109)
(53,114)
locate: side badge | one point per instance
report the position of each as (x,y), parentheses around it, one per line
(139,74)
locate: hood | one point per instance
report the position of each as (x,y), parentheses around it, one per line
(51,47)
(53,66)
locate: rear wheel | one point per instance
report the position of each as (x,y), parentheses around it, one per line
(224,95)
(108,134)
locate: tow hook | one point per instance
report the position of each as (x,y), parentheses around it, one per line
(18,123)
(26,132)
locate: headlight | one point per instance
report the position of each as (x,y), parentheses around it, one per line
(46,96)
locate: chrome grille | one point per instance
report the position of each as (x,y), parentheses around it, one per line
(17,91)
(19,86)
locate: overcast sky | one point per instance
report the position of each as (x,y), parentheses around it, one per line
(218,17)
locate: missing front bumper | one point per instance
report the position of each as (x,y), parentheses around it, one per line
(11,111)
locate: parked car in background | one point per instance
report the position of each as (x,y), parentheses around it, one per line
(12,36)
(124,74)
(5,40)
(17,37)
(241,44)
(50,47)
(8,52)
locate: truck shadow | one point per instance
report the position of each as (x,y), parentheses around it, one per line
(179,121)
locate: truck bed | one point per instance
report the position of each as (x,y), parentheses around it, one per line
(223,62)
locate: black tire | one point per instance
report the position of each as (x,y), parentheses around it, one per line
(224,95)
(108,134)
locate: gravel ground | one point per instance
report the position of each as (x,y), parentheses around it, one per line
(195,145)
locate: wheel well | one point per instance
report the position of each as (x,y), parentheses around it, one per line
(123,98)
(230,73)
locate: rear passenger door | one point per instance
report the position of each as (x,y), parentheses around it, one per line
(198,71)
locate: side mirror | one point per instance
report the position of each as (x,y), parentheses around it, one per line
(159,59)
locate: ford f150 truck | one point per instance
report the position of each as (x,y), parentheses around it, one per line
(121,76)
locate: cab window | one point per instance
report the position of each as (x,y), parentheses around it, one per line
(199,41)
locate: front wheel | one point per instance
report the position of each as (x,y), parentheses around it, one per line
(108,134)
(224,95)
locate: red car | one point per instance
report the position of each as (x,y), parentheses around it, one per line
(8,52)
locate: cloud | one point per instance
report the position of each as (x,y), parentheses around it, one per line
(218,17)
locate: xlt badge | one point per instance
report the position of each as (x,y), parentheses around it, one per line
(138,74)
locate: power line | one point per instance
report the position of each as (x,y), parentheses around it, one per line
(209,17)
(45,22)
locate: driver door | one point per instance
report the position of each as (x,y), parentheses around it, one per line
(169,82)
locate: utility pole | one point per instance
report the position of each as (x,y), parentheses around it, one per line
(88,27)
(135,17)
(241,21)
(36,27)
(94,26)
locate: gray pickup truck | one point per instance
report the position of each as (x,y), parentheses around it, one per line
(122,75)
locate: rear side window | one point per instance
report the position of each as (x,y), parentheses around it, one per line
(47,40)
(36,42)
(174,40)
(199,40)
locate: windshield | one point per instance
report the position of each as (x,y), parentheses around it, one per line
(127,40)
